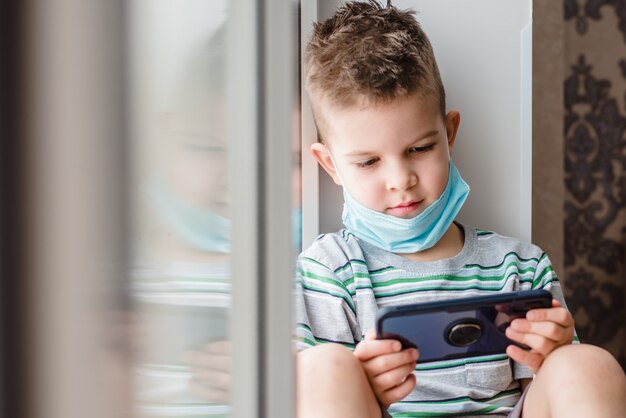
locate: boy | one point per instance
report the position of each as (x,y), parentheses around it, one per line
(385,137)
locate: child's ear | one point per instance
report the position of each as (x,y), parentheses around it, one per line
(321,155)
(453,120)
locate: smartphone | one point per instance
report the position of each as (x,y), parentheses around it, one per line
(458,328)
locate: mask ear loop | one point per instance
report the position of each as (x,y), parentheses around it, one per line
(343,184)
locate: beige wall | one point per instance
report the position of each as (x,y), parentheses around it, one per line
(579,161)
(548,185)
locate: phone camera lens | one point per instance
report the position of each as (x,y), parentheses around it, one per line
(464,333)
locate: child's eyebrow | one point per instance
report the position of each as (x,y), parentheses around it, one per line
(357,153)
(427,135)
(418,139)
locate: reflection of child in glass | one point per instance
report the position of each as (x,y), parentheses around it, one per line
(190,197)
(385,136)
(182,274)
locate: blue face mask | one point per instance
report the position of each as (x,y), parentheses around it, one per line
(199,228)
(296,228)
(400,235)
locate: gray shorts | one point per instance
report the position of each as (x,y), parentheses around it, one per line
(517,410)
(515,413)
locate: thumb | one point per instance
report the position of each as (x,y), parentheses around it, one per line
(370,334)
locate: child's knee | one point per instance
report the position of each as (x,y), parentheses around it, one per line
(327,360)
(581,360)
(327,370)
(331,382)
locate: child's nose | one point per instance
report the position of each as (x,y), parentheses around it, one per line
(401,178)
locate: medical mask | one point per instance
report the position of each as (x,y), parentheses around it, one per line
(200,228)
(401,235)
(296,228)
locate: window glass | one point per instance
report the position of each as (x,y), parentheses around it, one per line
(180,268)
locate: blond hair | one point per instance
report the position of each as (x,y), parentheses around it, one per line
(370,53)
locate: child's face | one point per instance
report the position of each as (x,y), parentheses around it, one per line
(392,158)
(196,158)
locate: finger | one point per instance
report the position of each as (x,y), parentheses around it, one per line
(557,314)
(531,359)
(550,330)
(398,392)
(536,342)
(386,362)
(215,395)
(212,378)
(202,360)
(217,347)
(371,334)
(392,378)
(368,349)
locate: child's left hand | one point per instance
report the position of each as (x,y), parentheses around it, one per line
(543,331)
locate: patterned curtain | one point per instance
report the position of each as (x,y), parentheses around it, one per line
(595,170)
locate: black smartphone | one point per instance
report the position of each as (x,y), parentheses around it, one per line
(457,328)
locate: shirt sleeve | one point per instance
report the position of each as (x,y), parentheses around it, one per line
(544,278)
(324,307)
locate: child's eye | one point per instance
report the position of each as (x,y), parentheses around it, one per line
(421,149)
(367,163)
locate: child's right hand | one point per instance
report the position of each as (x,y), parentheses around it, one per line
(211,371)
(389,369)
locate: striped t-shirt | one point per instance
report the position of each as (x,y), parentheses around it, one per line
(343,281)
